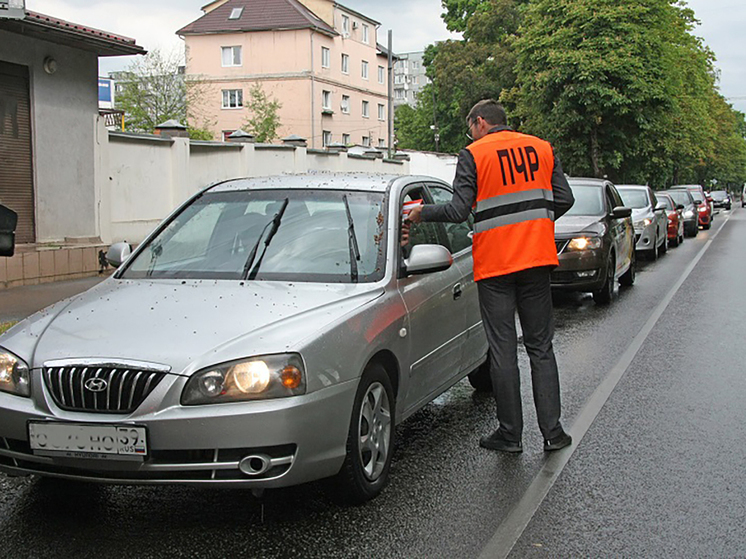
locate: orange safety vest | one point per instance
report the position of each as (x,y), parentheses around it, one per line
(514,228)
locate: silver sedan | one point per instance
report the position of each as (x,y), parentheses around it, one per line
(648,217)
(270,332)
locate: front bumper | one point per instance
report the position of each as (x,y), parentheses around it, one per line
(645,238)
(303,438)
(581,270)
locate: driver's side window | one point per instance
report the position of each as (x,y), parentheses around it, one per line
(424,233)
(459,236)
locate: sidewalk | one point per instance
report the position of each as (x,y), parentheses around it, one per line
(17,303)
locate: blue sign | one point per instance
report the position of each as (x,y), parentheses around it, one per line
(105,90)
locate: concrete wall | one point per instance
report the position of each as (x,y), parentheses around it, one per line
(64,108)
(142,179)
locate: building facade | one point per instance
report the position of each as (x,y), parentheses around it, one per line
(409,78)
(318,59)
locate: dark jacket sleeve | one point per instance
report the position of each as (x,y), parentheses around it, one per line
(464,193)
(563,198)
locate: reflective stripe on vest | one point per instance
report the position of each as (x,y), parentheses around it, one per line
(514,207)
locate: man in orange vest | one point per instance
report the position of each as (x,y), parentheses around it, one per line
(516,185)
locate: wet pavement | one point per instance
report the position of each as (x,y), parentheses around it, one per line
(657,473)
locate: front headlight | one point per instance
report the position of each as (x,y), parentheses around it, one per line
(255,378)
(584,243)
(643,223)
(688,214)
(14,374)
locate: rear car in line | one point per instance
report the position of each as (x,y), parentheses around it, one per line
(675,219)
(270,332)
(595,241)
(704,210)
(690,211)
(721,199)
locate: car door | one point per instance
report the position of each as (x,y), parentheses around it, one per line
(435,309)
(622,231)
(661,219)
(474,342)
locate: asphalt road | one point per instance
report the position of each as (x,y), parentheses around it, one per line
(652,391)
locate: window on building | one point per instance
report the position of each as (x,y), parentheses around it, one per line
(326,100)
(364,69)
(345,25)
(399,93)
(365,109)
(381,112)
(232,98)
(381,74)
(366,141)
(236,13)
(381,143)
(414,79)
(366,34)
(231,56)
(326,138)
(345,104)
(325,57)
(345,63)
(414,64)
(346,139)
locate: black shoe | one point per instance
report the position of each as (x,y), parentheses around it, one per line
(496,441)
(560,441)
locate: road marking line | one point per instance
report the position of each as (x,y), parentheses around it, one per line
(507,534)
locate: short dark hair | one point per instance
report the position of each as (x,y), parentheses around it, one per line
(490,110)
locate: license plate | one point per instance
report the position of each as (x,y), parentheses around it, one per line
(80,440)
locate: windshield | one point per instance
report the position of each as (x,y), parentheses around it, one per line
(680,197)
(228,235)
(667,202)
(718,195)
(697,195)
(634,198)
(588,200)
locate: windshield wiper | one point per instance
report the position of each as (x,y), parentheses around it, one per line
(275,223)
(155,252)
(352,238)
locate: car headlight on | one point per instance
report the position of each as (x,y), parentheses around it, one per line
(643,223)
(256,378)
(14,374)
(584,243)
(688,214)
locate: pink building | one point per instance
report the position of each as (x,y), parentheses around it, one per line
(319,59)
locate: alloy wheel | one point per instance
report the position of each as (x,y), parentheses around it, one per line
(374,429)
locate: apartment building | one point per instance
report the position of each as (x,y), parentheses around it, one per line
(409,78)
(319,59)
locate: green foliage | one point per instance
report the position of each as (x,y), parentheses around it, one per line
(264,119)
(4,326)
(200,134)
(153,90)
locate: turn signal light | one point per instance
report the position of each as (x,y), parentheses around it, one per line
(291,377)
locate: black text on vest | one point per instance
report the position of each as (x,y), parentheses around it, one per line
(524,160)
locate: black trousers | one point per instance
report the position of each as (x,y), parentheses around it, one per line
(528,292)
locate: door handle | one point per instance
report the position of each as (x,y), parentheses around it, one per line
(457,291)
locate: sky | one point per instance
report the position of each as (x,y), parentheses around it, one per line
(415,24)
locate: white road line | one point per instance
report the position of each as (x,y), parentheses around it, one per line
(515,522)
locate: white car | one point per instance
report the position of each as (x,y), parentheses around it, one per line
(648,217)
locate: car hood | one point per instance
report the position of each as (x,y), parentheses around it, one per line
(183,324)
(569,225)
(641,213)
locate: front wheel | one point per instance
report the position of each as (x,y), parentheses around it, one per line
(664,246)
(606,292)
(370,441)
(628,278)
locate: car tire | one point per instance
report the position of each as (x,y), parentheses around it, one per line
(370,440)
(604,295)
(663,249)
(480,378)
(707,226)
(674,242)
(627,279)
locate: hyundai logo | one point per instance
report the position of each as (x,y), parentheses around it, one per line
(96,384)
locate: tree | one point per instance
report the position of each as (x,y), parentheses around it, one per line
(153,90)
(264,119)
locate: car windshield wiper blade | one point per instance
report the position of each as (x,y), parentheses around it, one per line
(155,252)
(275,226)
(352,239)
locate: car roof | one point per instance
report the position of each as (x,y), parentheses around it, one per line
(586,181)
(633,186)
(370,182)
(686,186)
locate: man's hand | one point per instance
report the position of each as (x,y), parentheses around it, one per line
(415,214)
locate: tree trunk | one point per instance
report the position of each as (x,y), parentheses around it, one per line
(594,153)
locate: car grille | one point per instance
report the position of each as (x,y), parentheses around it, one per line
(116,390)
(561,244)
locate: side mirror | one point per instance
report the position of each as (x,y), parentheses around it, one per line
(620,212)
(118,253)
(680,207)
(8,223)
(425,259)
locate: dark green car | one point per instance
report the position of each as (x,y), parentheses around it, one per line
(595,241)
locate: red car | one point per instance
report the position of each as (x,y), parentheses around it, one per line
(675,219)
(704,209)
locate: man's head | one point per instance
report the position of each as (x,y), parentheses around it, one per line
(485,115)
